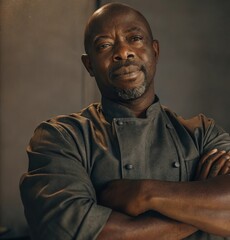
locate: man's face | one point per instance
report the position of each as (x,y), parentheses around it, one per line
(122,55)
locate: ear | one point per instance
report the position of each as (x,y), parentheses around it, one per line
(156,49)
(86,61)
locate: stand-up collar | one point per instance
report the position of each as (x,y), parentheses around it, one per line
(113,110)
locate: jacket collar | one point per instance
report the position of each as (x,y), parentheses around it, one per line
(112,110)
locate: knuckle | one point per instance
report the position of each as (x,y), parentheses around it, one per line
(215,168)
(228,164)
(214,171)
(209,161)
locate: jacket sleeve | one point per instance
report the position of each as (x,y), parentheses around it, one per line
(215,136)
(58,196)
(206,134)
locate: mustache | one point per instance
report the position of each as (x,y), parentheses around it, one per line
(116,66)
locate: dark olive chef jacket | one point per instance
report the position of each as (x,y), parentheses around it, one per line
(72,156)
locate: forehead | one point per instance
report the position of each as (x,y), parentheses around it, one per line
(124,20)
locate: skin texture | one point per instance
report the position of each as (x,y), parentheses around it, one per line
(122,56)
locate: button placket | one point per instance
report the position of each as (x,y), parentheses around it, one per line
(178,164)
(126,129)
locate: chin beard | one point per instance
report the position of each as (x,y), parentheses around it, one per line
(133,93)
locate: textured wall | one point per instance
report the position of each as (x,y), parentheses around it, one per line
(42,75)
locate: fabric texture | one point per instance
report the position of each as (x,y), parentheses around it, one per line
(71,157)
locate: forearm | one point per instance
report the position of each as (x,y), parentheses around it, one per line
(146,226)
(204,204)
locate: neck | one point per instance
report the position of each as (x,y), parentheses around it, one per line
(139,106)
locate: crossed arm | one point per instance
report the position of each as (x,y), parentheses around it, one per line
(151,209)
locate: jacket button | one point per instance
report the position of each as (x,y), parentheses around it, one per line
(176,164)
(169,126)
(128,166)
(120,123)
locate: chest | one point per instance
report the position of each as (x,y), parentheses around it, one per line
(139,149)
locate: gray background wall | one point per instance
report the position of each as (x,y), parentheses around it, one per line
(42,75)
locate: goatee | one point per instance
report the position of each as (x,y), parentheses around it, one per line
(133,93)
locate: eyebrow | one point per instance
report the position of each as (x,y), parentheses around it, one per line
(101,37)
(98,38)
(133,29)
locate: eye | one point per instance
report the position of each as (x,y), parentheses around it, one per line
(136,38)
(103,46)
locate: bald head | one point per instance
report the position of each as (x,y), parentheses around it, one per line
(105,14)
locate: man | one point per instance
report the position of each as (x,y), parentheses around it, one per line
(126,168)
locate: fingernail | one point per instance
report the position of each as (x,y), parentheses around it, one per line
(214,150)
(223,151)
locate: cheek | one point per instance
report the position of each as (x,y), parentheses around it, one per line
(149,59)
(100,66)
(147,54)
(101,72)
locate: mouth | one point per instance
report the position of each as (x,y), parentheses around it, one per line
(129,72)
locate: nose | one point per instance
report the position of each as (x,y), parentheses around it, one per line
(122,52)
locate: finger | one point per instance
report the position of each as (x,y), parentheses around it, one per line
(206,166)
(202,160)
(225,169)
(218,165)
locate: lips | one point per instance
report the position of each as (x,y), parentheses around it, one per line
(125,72)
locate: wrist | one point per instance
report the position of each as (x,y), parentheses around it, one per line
(148,193)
